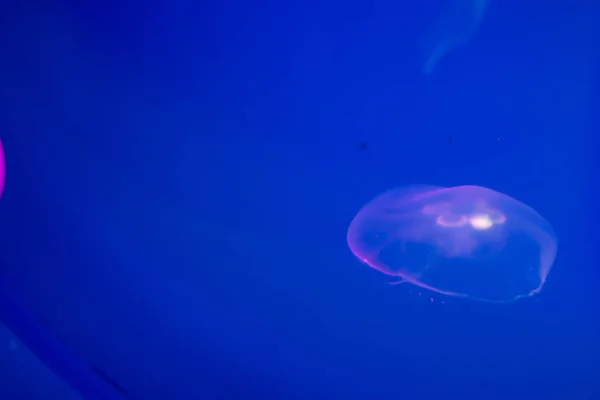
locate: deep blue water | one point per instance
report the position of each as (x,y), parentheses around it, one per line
(180,179)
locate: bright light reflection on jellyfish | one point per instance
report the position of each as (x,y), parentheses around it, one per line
(466,241)
(453,28)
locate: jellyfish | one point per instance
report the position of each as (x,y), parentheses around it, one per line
(453,28)
(463,241)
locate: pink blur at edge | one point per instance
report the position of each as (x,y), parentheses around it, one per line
(2,168)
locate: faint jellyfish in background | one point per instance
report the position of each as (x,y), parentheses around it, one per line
(465,241)
(454,26)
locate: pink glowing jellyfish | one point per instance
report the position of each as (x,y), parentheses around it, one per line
(465,241)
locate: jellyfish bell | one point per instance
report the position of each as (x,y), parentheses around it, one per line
(465,241)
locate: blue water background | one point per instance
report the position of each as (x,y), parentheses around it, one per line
(181,177)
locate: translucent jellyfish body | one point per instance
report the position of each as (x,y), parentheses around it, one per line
(465,241)
(454,26)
